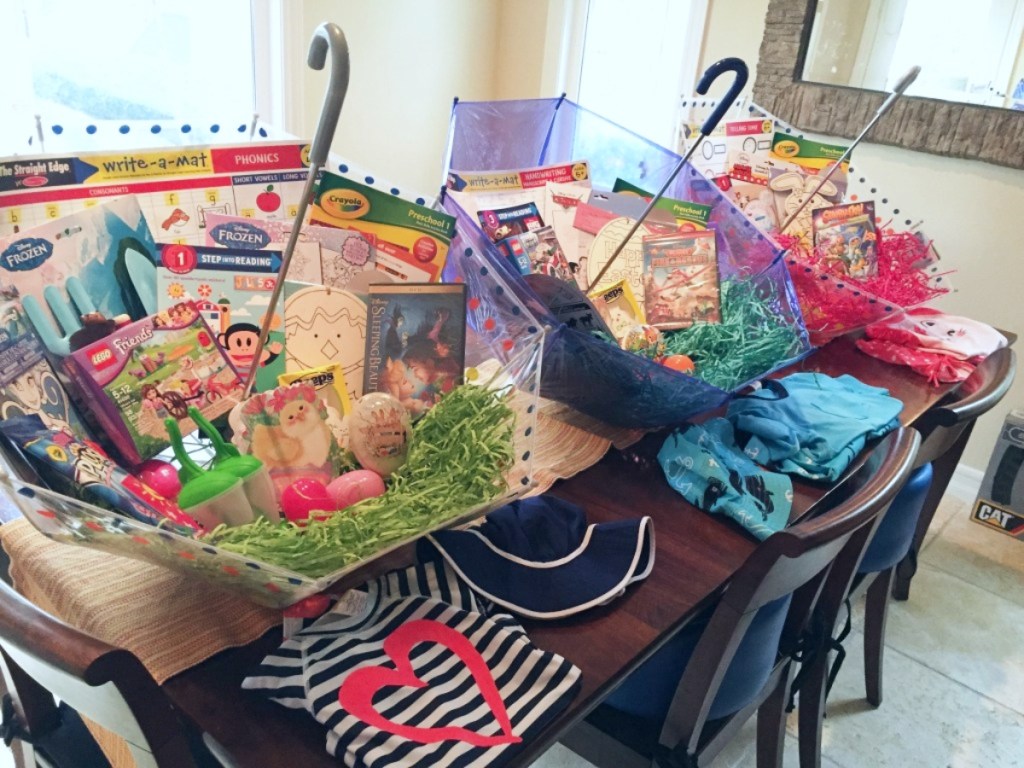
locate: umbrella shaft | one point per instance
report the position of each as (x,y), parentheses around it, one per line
(648,209)
(286,260)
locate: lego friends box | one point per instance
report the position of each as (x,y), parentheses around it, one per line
(153,369)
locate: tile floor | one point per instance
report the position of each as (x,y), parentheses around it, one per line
(954,667)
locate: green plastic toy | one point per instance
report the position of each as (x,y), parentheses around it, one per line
(212,497)
(259,488)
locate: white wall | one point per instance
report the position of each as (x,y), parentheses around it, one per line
(409,59)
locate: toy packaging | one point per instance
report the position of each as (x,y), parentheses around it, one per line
(93,475)
(415,342)
(846,238)
(499,223)
(1000,502)
(28,385)
(103,247)
(618,307)
(231,288)
(410,241)
(150,370)
(681,280)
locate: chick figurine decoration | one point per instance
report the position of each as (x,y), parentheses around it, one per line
(288,429)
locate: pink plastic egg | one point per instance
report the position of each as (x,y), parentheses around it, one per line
(304,496)
(161,476)
(353,487)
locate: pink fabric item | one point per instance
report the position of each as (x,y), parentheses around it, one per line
(945,348)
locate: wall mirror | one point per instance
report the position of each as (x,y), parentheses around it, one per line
(826,65)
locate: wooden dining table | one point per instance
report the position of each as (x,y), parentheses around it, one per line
(695,556)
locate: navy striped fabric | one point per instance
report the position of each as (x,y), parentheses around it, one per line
(419,680)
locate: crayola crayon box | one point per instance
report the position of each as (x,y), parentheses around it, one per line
(151,370)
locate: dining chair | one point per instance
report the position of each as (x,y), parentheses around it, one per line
(945,429)
(43,657)
(684,704)
(862,568)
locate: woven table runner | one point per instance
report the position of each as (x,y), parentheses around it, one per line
(171,622)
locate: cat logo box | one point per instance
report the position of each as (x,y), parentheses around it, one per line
(1000,502)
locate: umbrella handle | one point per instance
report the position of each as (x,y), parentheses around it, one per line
(328,37)
(712,73)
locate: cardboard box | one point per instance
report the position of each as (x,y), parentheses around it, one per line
(1000,502)
(152,369)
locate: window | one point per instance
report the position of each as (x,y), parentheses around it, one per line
(105,64)
(639,58)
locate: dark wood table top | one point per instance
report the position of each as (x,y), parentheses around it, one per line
(696,554)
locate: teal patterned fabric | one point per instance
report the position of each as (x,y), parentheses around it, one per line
(704,464)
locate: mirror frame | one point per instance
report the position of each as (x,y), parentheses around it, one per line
(974,132)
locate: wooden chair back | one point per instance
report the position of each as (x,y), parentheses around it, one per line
(45,657)
(945,429)
(796,561)
(943,423)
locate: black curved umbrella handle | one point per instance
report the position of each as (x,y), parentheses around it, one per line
(716,70)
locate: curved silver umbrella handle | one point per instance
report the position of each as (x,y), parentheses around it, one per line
(328,38)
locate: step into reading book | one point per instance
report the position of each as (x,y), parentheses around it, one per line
(415,342)
(681,279)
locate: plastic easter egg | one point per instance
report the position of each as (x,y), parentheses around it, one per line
(681,363)
(644,340)
(161,476)
(305,496)
(379,433)
(352,487)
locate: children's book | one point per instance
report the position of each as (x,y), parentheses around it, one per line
(265,234)
(410,241)
(681,280)
(846,236)
(231,288)
(323,326)
(500,223)
(577,171)
(327,255)
(415,342)
(688,216)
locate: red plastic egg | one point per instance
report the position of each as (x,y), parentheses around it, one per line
(161,476)
(304,496)
(352,487)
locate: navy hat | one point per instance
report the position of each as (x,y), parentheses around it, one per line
(536,557)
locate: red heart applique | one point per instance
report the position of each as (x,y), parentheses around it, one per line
(356,694)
